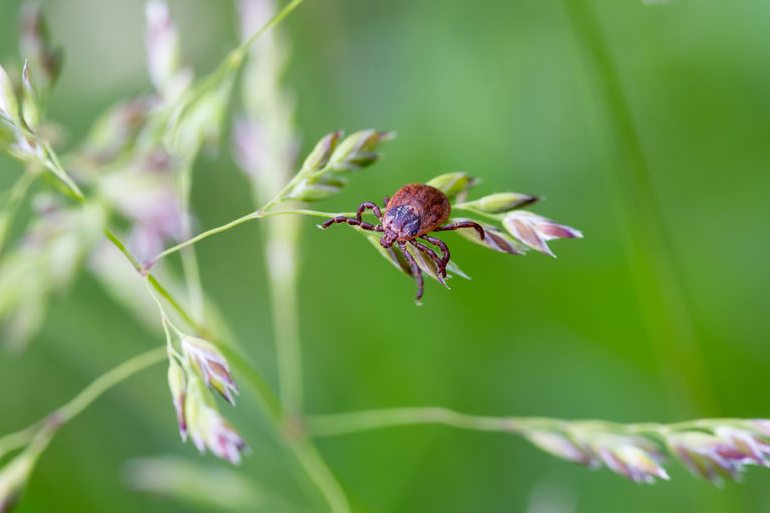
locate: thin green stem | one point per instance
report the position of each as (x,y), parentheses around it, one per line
(257,214)
(15,196)
(336,424)
(281,196)
(108,380)
(164,320)
(152,280)
(344,423)
(19,439)
(192,276)
(200,237)
(308,456)
(175,304)
(273,21)
(122,248)
(307,212)
(60,172)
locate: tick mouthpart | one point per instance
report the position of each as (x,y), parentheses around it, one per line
(388,239)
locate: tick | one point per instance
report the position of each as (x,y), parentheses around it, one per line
(411,213)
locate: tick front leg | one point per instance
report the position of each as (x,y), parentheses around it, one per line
(415,269)
(368,204)
(442,246)
(352,222)
(385,201)
(463,224)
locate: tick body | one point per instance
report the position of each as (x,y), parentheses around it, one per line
(414,210)
(411,213)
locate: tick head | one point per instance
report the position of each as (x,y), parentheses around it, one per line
(400,223)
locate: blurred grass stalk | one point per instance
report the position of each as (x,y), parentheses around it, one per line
(267,154)
(15,196)
(265,146)
(660,293)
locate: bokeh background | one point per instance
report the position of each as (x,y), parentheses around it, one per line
(506,91)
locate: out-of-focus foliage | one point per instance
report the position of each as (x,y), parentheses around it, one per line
(502,91)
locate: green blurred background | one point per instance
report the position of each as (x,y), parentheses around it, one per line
(505,91)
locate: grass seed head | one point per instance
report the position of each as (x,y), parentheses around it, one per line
(534,230)
(211,365)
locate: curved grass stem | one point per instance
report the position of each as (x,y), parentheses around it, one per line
(257,214)
(15,196)
(343,423)
(108,380)
(85,398)
(336,424)
(18,439)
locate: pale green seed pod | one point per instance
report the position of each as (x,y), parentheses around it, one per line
(9,105)
(561,446)
(35,45)
(13,479)
(707,456)
(308,190)
(502,202)
(635,457)
(454,185)
(29,106)
(8,131)
(319,157)
(197,399)
(177,383)
(359,150)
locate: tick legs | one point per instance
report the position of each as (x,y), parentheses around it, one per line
(440,266)
(352,222)
(415,268)
(462,224)
(385,201)
(368,204)
(440,243)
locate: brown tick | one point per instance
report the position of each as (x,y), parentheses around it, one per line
(413,211)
